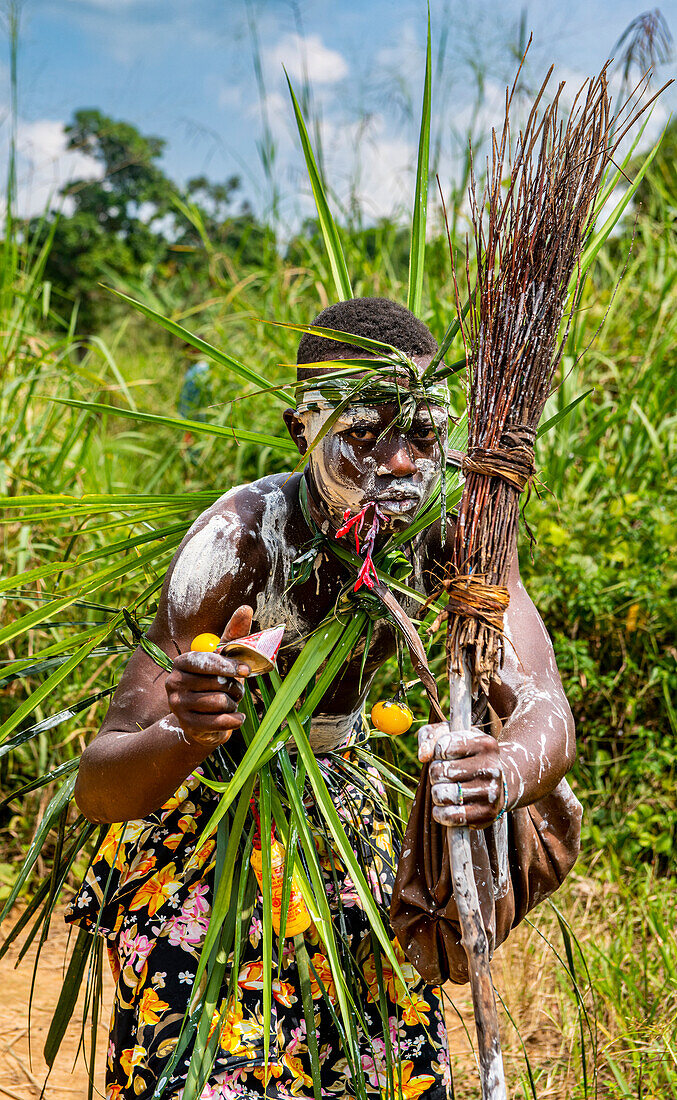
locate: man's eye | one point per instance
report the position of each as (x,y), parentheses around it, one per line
(360,431)
(423,434)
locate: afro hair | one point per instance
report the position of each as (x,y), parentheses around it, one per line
(376,318)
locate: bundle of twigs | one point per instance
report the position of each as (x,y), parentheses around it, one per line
(529,236)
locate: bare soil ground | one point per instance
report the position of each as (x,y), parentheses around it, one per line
(22,1074)
(23,1071)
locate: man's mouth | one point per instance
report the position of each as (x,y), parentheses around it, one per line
(397,501)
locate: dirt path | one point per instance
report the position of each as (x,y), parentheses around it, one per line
(22,1075)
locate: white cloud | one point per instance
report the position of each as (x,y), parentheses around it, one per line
(45,165)
(277,107)
(229,95)
(307,56)
(371,164)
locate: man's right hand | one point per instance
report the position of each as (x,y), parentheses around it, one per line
(204,689)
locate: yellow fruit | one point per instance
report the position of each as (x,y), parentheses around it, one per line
(391,717)
(205,643)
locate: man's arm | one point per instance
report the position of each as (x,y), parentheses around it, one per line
(159,727)
(537,744)
(538,740)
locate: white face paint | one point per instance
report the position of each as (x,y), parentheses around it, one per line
(346,474)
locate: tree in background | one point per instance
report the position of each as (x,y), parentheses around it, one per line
(206,223)
(133,226)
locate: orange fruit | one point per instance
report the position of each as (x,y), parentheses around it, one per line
(205,643)
(391,717)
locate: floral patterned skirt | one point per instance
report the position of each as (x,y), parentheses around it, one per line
(154,917)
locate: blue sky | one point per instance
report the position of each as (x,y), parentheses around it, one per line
(183,69)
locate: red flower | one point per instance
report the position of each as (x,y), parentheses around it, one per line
(363,577)
(367,574)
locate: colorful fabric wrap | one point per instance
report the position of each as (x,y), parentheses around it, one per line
(154,916)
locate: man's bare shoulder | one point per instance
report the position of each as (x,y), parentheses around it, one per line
(226,554)
(245,506)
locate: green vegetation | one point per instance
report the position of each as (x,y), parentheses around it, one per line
(109,497)
(134,226)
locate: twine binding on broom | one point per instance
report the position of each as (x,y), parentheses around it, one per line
(512,461)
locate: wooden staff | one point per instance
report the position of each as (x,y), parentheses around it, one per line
(473,934)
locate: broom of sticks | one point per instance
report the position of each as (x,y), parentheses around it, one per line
(529,237)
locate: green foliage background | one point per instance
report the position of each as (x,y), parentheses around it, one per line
(605,515)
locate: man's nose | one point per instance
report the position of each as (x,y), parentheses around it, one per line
(398,462)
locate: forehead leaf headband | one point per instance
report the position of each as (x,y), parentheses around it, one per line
(323,392)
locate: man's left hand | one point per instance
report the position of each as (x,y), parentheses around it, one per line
(466,775)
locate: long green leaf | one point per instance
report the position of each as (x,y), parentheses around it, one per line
(555,420)
(379,347)
(301,956)
(199,427)
(84,945)
(337,658)
(333,820)
(592,249)
(61,673)
(305,666)
(53,721)
(50,657)
(112,549)
(105,501)
(419,218)
(219,356)
(34,618)
(224,885)
(45,889)
(56,678)
(267,936)
(328,227)
(317,901)
(54,809)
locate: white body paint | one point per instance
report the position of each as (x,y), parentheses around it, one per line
(210,554)
(272,604)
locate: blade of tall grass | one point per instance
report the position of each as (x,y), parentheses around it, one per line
(301,672)
(328,228)
(51,814)
(331,816)
(319,904)
(198,427)
(591,251)
(267,933)
(419,218)
(53,721)
(84,945)
(302,964)
(77,562)
(93,641)
(44,890)
(246,374)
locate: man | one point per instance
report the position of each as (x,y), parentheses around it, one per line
(234,568)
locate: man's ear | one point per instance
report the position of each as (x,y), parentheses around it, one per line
(296,430)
